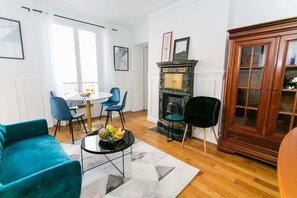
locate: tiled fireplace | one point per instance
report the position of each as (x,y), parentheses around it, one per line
(175,88)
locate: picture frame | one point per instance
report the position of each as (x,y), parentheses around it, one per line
(11,44)
(121,58)
(166,46)
(181,49)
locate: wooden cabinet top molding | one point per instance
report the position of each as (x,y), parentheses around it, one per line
(264,28)
(185,63)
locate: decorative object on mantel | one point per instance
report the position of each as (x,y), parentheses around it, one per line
(11,45)
(181,49)
(121,58)
(149,172)
(176,85)
(166,46)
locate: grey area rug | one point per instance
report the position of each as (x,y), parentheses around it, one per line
(149,172)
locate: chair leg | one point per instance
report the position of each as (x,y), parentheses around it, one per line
(77,118)
(100,112)
(182,144)
(170,130)
(59,125)
(214,132)
(123,116)
(58,121)
(121,120)
(82,120)
(204,131)
(78,121)
(107,118)
(71,130)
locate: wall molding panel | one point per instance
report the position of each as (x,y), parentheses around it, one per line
(24,97)
(153,97)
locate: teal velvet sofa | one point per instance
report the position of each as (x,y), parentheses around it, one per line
(33,163)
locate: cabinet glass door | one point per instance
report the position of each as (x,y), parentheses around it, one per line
(253,68)
(284,96)
(249,85)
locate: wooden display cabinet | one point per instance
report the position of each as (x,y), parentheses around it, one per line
(260,105)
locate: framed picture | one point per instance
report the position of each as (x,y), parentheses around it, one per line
(166,46)
(181,49)
(11,45)
(121,58)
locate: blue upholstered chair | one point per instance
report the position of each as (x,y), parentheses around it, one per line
(60,111)
(203,112)
(113,100)
(71,108)
(119,109)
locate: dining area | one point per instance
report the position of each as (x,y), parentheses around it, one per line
(74,110)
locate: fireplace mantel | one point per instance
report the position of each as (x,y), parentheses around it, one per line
(185,63)
(176,85)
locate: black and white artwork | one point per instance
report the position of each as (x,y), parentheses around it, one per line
(121,58)
(181,49)
(10,39)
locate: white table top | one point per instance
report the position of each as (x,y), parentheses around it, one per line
(92,98)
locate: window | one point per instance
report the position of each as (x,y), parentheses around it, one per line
(75,58)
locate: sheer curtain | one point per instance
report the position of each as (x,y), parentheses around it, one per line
(42,23)
(108,76)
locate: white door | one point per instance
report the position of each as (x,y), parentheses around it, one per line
(145,79)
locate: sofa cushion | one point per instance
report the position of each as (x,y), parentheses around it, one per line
(30,156)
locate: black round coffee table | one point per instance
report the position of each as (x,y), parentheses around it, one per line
(93,144)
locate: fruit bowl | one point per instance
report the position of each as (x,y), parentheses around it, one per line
(111,134)
(111,140)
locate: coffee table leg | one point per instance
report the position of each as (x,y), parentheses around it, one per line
(82,161)
(123,163)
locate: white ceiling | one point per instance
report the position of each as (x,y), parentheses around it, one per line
(120,12)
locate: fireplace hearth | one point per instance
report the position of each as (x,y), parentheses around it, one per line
(175,89)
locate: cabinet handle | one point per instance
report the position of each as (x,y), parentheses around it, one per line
(275,90)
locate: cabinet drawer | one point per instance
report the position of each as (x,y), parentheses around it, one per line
(254,140)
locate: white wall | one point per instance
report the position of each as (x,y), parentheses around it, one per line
(139,39)
(205,22)
(123,78)
(23,84)
(249,12)
(22,93)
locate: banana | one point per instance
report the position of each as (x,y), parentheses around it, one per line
(115,136)
(120,132)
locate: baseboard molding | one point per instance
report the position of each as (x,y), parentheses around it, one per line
(152,119)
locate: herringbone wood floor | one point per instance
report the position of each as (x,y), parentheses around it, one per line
(222,175)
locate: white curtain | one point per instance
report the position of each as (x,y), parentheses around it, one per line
(42,24)
(108,77)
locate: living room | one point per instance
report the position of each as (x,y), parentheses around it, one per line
(26,83)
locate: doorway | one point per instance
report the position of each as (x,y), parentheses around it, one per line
(145,79)
(140,77)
